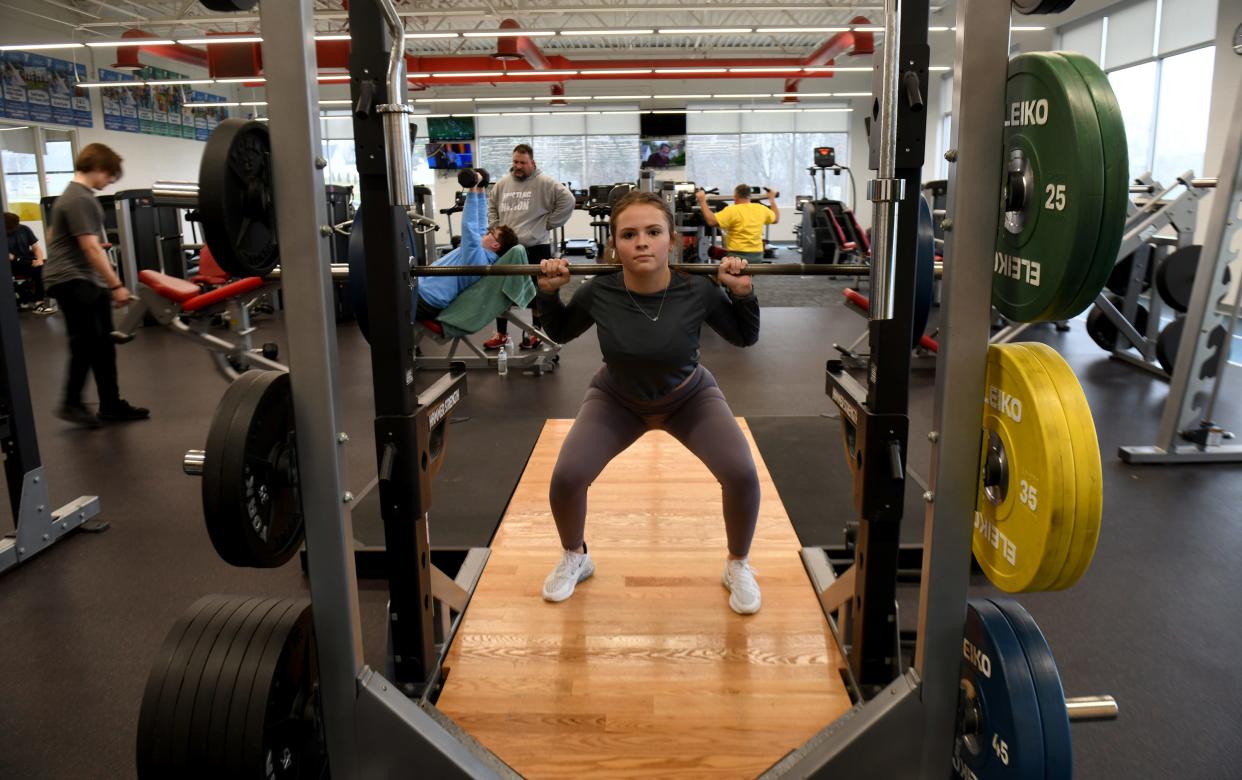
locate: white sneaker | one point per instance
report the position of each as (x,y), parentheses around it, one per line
(739,578)
(573,568)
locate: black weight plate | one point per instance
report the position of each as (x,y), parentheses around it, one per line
(216,635)
(150,727)
(236,203)
(216,738)
(358,274)
(198,726)
(1102,330)
(1167,344)
(618,192)
(925,272)
(279,735)
(232,760)
(160,698)
(259,521)
(1041,7)
(1058,748)
(1119,279)
(216,510)
(1175,278)
(1010,737)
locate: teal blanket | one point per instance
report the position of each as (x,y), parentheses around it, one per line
(486,299)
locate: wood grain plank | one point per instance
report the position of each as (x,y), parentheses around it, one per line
(645,671)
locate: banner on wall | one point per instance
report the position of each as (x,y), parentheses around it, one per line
(40,89)
(157,110)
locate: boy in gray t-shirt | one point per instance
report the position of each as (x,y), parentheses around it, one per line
(80,277)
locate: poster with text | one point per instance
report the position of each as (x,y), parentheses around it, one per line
(120,103)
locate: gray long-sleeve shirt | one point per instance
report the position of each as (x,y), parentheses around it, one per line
(531,206)
(648,359)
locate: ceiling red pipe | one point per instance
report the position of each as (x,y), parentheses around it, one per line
(520,47)
(851,42)
(127,56)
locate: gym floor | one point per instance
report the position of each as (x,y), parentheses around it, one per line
(1153,622)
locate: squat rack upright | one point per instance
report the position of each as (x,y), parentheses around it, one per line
(373,728)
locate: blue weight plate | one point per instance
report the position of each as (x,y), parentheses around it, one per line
(1009,741)
(1058,752)
(925,272)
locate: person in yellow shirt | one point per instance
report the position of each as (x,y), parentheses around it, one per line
(742,222)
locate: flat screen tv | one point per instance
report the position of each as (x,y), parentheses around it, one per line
(661,125)
(663,152)
(451,128)
(447,155)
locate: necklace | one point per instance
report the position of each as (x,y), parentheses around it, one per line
(640,309)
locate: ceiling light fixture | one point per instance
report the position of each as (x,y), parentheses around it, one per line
(570,33)
(801,29)
(508,34)
(178,82)
(131,42)
(243,79)
(40,46)
(691,70)
(220,39)
(705,30)
(617,72)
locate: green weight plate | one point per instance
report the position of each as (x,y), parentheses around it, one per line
(1116,178)
(999,732)
(1054,174)
(1058,747)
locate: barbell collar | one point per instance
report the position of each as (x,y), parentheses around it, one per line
(194,462)
(1204,183)
(1089,708)
(886,190)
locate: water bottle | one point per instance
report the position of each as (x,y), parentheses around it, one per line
(502,360)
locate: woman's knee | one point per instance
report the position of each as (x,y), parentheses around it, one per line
(568,481)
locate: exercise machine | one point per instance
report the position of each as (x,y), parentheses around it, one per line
(829,232)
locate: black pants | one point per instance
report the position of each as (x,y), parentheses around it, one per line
(27,269)
(87,309)
(424,310)
(534,255)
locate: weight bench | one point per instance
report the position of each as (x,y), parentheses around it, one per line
(538,361)
(168,300)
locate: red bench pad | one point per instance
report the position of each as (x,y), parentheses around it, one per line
(433,326)
(240,287)
(169,287)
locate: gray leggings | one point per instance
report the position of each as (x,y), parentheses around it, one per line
(696,414)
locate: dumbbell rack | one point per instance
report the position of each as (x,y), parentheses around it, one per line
(1176,208)
(1188,432)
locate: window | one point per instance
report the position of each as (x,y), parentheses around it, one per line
(777,160)
(1161,71)
(563,157)
(37,162)
(495,153)
(1135,88)
(611,158)
(1182,114)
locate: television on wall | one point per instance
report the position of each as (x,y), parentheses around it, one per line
(447,155)
(450,128)
(662,125)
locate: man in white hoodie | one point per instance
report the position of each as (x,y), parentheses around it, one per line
(533,204)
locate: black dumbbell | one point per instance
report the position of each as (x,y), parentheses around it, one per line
(473,177)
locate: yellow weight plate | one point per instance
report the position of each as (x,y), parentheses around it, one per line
(1023,518)
(1088,473)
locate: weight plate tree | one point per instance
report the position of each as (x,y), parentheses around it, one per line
(235,199)
(1055,190)
(251,501)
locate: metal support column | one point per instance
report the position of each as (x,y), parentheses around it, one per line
(973,212)
(289,63)
(377,84)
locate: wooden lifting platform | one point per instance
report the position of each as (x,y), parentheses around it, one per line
(645,671)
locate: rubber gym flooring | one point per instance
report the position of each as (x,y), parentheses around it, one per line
(1154,622)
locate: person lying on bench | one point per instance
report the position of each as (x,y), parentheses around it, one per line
(479,246)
